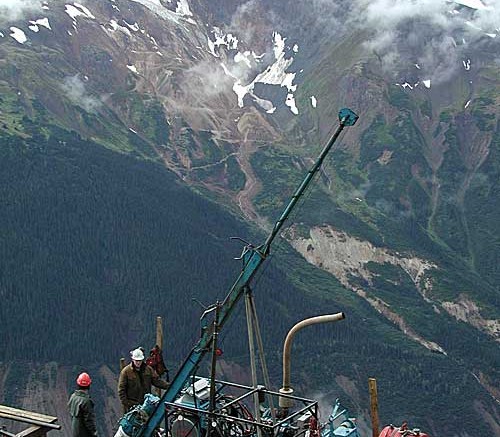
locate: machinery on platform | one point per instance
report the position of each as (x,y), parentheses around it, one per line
(196,406)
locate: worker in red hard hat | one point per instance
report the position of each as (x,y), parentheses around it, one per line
(81,408)
(136,380)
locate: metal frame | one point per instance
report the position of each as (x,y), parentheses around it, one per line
(271,429)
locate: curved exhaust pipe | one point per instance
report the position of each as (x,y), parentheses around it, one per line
(286,402)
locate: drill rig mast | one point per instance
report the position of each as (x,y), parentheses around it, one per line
(180,392)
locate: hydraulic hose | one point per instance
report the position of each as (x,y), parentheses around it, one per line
(287,348)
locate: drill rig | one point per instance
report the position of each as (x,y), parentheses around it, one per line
(195,406)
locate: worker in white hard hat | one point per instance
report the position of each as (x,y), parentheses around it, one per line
(136,379)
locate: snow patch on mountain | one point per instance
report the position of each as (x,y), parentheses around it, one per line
(273,74)
(114,26)
(221,39)
(77,10)
(134,27)
(244,57)
(182,11)
(44,22)
(18,35)
(473,4)
(183,8)
(133,69)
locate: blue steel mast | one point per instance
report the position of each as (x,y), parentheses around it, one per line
(252,257)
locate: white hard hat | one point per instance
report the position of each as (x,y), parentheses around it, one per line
(137,354)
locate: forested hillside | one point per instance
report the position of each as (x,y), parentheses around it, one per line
(95,244)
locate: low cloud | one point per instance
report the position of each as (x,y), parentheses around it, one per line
(243,23)
(412,39)
(204,81)
(16,9)
(434,34)
(489,17)
(75,90)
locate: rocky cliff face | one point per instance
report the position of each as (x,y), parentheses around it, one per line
(347,258)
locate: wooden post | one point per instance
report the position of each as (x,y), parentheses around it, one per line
(159,342)
(372,386)
(159,332)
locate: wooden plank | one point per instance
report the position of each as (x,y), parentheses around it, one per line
(31,421)
(27,414)
(33,431)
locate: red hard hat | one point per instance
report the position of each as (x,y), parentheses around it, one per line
(83,380)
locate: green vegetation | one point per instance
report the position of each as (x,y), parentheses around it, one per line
(236,178)
(88,239)
(281,176)
(11,115)
(391,159)
(398,97)
(426,108)
(149,118)
(482,113)
(482,209)
(445,117)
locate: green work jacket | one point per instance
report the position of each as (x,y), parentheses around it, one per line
(81,410)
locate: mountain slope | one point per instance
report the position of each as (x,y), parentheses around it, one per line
(108,109)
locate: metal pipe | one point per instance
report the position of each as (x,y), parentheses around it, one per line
(262,355)
(287,348)
(253,365)
(213,369)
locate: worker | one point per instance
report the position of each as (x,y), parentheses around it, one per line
(81,408)
(136,379)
